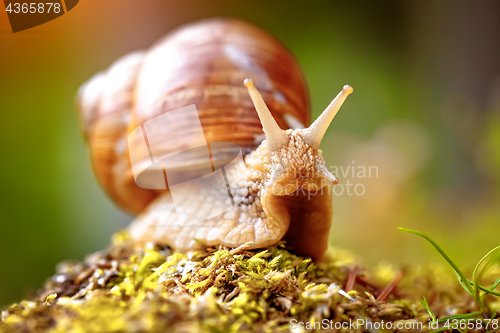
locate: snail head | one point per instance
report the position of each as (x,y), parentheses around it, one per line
(294,160)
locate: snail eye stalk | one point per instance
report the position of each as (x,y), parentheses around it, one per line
(275,136)
(314,133)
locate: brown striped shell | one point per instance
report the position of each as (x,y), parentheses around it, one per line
(203,64)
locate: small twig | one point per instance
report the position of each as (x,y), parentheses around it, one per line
(433,297)
(351,279)
(84,275)
(361,279)
(241,248)
(391,286)
(180,285)
(233,293)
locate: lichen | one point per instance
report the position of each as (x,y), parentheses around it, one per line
(128,288)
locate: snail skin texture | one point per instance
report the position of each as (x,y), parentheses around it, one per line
(281,188)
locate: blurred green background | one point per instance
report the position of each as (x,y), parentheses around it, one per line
(425,112)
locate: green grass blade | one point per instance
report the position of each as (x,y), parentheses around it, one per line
(428,308)
(489,291)
(463,284)
(494,285)
(475,277)
(461,316)
(466,284)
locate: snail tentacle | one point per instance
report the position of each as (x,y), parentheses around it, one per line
(275,136)
(314,133)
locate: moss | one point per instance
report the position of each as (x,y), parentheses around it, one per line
(152,289)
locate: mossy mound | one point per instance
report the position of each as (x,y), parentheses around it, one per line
(151,289)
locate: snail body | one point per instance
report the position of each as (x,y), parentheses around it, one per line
(205,64)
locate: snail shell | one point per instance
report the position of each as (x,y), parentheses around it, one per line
(205,64)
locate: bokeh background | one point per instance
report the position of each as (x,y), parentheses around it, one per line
(425,112)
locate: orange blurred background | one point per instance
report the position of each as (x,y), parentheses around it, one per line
(425,113)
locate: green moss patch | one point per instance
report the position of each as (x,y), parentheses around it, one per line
(152,289)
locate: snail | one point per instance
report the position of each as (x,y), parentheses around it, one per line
(280,188)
